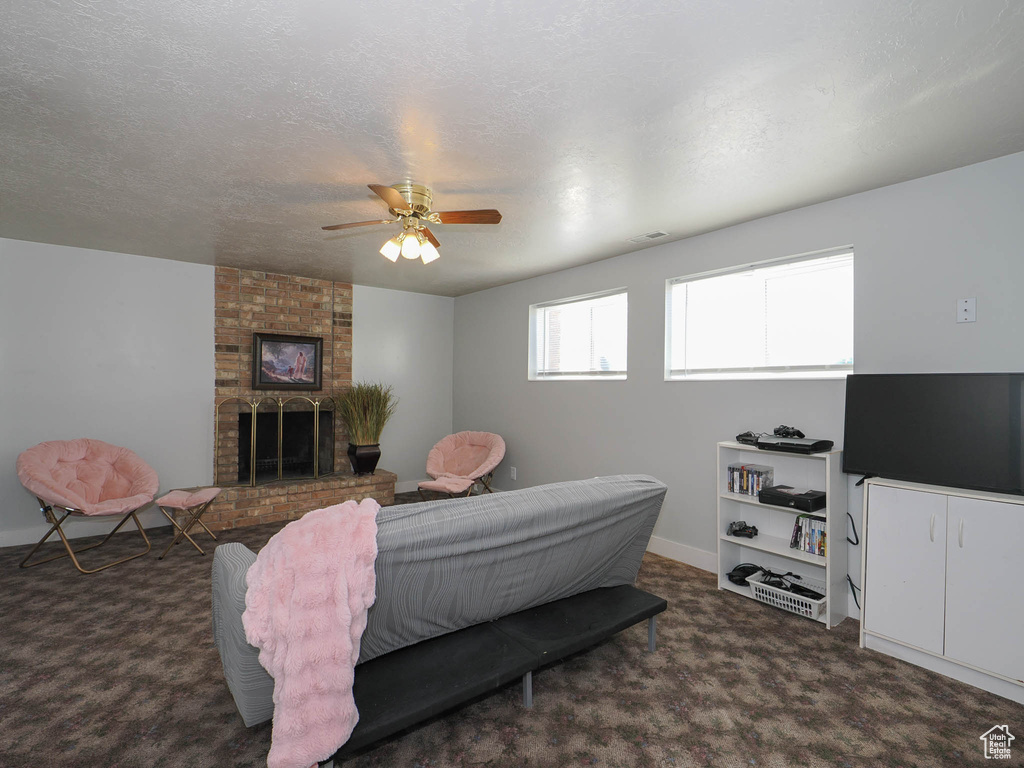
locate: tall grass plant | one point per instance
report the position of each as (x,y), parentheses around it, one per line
(364,410)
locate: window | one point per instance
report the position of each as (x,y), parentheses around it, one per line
(579,338)
(789,318)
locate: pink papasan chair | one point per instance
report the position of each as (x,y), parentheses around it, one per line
(460,460)
(88,478)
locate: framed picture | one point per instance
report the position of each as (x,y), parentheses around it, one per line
(286,362)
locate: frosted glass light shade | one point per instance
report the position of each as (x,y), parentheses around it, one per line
(391,249)
(428,252)
(410,247)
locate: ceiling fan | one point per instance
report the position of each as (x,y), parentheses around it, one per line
(410,204)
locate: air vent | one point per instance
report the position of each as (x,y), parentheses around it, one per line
(646,238)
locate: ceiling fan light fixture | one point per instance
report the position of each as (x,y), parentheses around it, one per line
(428,252)
(410,246)
(411,204)
(391,249)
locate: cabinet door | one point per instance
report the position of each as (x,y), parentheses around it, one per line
(984,598)
(906,560)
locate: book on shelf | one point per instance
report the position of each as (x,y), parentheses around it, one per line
(749,479)
(809,535)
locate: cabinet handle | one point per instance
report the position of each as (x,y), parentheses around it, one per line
(960,535)
(931,529)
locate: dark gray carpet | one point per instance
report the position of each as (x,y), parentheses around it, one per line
(118,669)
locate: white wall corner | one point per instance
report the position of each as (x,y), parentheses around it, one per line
(406,340)
(408,486)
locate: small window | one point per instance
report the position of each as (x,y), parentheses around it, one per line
(789,318)
(579,338)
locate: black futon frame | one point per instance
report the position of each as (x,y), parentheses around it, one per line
(406,687)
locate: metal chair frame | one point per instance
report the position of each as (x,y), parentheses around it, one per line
(484,480)
(55,525)
(194,514)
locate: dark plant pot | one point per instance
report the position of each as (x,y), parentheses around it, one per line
(363,458)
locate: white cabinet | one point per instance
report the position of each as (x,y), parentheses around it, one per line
(941,588)
(770,548)
(984,597)
(907,564)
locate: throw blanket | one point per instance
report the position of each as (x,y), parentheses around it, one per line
(305,610)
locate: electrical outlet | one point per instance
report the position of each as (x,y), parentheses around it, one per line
(513,471)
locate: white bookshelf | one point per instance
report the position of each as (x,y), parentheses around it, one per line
(770,548)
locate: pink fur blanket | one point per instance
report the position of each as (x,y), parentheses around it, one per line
(305,609)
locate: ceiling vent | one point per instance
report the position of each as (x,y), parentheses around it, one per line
(646,238)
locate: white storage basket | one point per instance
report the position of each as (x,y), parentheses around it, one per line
(787,601)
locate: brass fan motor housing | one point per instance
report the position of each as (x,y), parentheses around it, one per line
(411,204)
(418,196)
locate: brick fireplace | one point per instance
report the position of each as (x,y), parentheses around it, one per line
(248,301)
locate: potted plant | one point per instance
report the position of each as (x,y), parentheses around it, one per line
(364,409)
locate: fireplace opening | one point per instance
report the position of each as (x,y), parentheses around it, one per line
(297,445)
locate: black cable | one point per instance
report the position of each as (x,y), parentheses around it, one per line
(787,582)
(855,536)
(736,576)
(853,589)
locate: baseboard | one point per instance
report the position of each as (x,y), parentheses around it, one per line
(80,527)
(698,558)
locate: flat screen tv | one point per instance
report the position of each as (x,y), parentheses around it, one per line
(955,429)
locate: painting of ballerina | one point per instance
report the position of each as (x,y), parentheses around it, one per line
(286,362)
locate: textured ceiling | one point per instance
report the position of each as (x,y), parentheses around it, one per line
(228,131)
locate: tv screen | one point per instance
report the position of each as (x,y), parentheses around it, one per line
(955,429)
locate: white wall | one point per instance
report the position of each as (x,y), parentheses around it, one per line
(405,340)
(108,346)
(919,246)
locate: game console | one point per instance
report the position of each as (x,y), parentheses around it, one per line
(793,444)
(787,496)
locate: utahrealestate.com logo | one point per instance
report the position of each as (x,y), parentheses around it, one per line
(997,742)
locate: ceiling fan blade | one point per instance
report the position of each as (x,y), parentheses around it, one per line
(359,224)
(390,196)
(487,216)
(430,236)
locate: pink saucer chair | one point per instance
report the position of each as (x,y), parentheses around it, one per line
(460,460)
(88,478)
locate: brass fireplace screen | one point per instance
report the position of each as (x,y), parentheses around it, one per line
(265,439)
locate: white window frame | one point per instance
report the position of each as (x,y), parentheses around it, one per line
(535,309)
(754,372)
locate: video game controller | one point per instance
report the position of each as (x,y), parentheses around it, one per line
(747,438)
(740,528)
(783,431)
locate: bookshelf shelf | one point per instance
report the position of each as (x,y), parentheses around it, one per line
(770,548)
(776,546)
(742,498)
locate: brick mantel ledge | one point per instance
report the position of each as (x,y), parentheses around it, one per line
(291,499)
